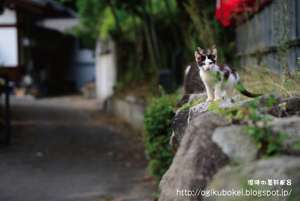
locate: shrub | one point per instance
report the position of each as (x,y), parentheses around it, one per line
(157,132)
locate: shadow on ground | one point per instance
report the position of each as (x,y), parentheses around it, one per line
(66,148)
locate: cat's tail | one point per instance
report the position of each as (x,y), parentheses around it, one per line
(242,89)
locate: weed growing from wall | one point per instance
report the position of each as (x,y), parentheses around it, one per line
(188,105)
(255,115)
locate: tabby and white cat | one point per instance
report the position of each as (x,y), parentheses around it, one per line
(218,76)
(193,85)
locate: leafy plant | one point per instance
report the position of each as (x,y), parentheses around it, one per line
(188,105)
(157,132)
(156,195)
(297,146)
(255,113)
(107,197)
(298,68)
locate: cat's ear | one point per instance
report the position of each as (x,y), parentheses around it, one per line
(214,53)
(213,47)
(197,56)
(200,50)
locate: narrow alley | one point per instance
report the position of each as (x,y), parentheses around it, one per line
(65,148)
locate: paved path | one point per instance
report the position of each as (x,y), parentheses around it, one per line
(61,151)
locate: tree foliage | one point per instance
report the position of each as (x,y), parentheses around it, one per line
(151,31)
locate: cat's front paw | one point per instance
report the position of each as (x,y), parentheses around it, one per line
(217,99)
(209,100)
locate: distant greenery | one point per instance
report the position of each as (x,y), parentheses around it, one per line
(157,132)
(148,33)
(205,31)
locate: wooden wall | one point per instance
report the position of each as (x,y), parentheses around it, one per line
(261,33)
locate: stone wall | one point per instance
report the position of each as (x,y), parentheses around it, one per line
(129,109)
(215,153)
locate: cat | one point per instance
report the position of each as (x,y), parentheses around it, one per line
(192,86)
(218,76)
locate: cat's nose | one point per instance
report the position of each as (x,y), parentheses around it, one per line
(207,69)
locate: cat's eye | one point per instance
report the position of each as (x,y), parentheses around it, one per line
(202,64)
(210,63)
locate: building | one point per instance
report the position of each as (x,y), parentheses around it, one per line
(36,51)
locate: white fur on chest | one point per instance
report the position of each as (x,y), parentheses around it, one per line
(208,77)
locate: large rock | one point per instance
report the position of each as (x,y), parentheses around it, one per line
(173,144)
(180,123)
(236,143)
(202,108)
(275,169)
(292,105)
(289,126)
(208,142)
(195,97)
(182,118)
(241,148)
(262,100)
(286,107)
(279,108)
(197,159)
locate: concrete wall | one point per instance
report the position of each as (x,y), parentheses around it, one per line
(83,66)
(9,39)
(106,69)
(128,109)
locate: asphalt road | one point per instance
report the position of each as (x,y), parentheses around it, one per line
(66,149)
